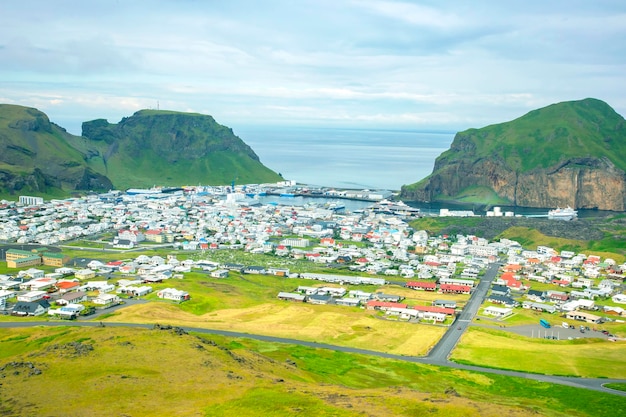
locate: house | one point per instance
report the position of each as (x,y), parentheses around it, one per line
(332,291)
(502,299)
(607,285)
(445,303)
(32,273)
(30,308)
(455,289)
(234,267)
(135,291)
(84,274)
(288,296)
(349,302)
(319,299)
(583,316)
(558,296)
(548,308)
(66,286)
(387,297)
(361,295)
(259,270)
(220,273)
(435,309)
(4,296)
(535,295)
(123,244)
(619,298)
(31,296)
(107,300)
(498,311)
(173,294)
(383,305)
(72,298)
(39,284)
(500,290)
(422,285)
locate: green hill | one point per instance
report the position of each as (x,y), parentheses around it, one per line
(149,148)
(173,148)
(37,156)
(571,153)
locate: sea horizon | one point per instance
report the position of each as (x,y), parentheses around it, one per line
(372,158)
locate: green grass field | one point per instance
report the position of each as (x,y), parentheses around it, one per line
(579,357)
(124,371)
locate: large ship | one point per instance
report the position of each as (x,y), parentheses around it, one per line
(567,213)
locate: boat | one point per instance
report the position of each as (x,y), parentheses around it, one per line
(566,213)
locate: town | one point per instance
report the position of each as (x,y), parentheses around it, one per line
(371,259)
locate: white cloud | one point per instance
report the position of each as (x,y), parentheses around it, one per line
(390,63)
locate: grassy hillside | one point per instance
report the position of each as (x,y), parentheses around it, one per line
(561,131)
(601,236)
(149,148)
(122,371)
(37,156)
(173,148)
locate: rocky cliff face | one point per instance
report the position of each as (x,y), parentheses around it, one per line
(571,166)
(588,183)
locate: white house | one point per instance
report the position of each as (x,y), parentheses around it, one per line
(619,298)
(173,294)
(106,299)
(498,311)
(31,296)
(220,273)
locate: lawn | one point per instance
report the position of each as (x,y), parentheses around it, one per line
(580,357)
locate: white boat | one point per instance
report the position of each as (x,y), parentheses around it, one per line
(567,213)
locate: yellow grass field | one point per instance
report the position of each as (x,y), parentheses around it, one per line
(581,357)
(322,324)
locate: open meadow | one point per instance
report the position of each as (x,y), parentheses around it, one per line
(584,357)
(104,371)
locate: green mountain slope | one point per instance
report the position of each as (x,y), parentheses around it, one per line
(172,148)
(149,148)
(36,156)
(568,153)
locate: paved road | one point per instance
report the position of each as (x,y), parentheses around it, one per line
(442,349)
(595,384)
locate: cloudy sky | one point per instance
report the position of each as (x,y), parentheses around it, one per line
(365,63)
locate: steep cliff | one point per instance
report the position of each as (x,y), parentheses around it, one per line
(571,153)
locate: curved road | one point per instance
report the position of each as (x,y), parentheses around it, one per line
(595,384)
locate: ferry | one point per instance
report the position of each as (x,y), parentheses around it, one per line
(567,213)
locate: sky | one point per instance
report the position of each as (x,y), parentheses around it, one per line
(418,65)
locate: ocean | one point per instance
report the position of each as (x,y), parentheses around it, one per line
(347,158)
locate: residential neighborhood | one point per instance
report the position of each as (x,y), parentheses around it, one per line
(372,249)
